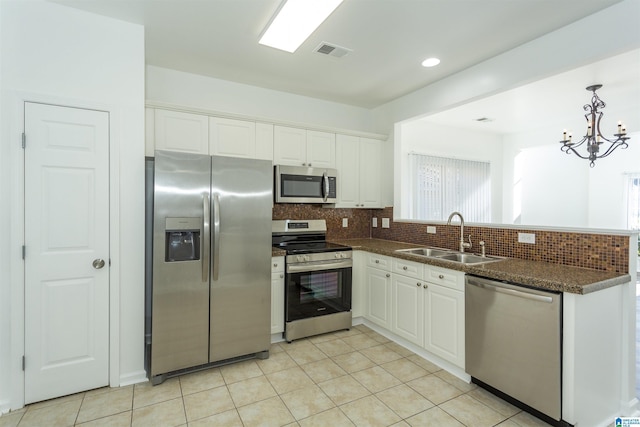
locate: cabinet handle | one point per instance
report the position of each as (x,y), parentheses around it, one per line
(282,276)
(419,284)
(425,286)
(404,268)
(309,164)
(275,264)
(377,261)
(388,275)
(441,276)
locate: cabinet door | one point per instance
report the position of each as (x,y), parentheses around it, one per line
(370,173)
(444,323)
(264,141)
(379,297)
(149,132)
(406,308)
(321,149)
(348,165)
(277,295)
(289,146)
(177,131)
(357,284)
(234,138)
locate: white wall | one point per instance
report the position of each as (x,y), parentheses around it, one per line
(57,54)
(561,190)
(207,93)
(443,141)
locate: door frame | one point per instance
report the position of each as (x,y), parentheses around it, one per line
(15,124)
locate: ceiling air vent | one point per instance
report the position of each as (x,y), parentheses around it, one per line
(332,50)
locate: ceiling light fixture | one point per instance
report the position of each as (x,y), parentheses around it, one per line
(295,21)
(430,62)
(594,138)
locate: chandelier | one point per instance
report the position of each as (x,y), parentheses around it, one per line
(594,139)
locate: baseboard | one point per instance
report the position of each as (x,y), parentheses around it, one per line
(133,378)
(5,406)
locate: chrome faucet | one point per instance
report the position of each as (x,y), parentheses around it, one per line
(463,244)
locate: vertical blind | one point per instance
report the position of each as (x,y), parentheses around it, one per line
(441,185)
(633,201)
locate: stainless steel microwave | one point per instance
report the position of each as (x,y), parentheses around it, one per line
(297,184)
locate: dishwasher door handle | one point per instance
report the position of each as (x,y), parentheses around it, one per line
(509,291)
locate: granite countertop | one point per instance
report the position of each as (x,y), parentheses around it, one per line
(542,275)
(277,252)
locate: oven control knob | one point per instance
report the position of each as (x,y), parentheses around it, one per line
(307,258)
(300,258)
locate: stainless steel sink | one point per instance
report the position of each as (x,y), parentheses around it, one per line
(428,252)
(448,255)
(467,258)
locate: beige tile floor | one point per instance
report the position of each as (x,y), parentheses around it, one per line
(346,378)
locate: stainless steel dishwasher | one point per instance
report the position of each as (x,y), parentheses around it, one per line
(513,342)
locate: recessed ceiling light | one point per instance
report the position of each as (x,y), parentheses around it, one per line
(430,62)
(295,21)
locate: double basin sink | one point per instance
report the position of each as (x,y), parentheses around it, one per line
(447,255)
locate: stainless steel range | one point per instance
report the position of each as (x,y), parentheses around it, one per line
(318,279)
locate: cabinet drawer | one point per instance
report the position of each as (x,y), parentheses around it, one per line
(277,264)
(445,277)
(379,261)
(408,268)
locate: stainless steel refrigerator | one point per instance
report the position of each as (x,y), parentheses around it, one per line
(211,288)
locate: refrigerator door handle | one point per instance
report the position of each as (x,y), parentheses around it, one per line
(216,236)
(325,180)
(205,238)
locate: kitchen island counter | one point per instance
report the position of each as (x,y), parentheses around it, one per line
(542,275)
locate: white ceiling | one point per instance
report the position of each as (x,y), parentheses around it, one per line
(557,100)
(389,38)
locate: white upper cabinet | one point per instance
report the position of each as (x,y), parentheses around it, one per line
(179,131)
(299,147)
(321,149)
(359,179)
(149,132)
(234,138)
(264,141)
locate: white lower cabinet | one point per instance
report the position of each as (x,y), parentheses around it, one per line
(358,285)
(444,323)
(421,303)
(277,295)
(378,293)
(407,308)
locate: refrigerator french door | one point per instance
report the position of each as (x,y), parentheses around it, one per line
(211,260)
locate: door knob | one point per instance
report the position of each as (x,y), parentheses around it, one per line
(98,263)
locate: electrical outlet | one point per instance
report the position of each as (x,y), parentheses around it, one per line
(431,229)
(374,222)
(385,222)
(345,222)
(527,238)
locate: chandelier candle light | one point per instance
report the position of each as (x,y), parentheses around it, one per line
(594,138)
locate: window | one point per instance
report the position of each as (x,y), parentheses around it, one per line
(633,204)
(441,185)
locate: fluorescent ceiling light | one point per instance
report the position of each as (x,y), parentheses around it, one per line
(430,62)
(295,21)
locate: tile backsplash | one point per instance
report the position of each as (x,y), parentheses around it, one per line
(596,251)
(358,219)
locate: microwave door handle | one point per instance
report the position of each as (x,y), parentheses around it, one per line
(215,263)
(325,181)
(205,237)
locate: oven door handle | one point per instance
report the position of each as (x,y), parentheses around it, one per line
(319,266)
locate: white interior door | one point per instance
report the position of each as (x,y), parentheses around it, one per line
(66,250)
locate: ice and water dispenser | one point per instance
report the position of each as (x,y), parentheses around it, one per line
(182,239)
